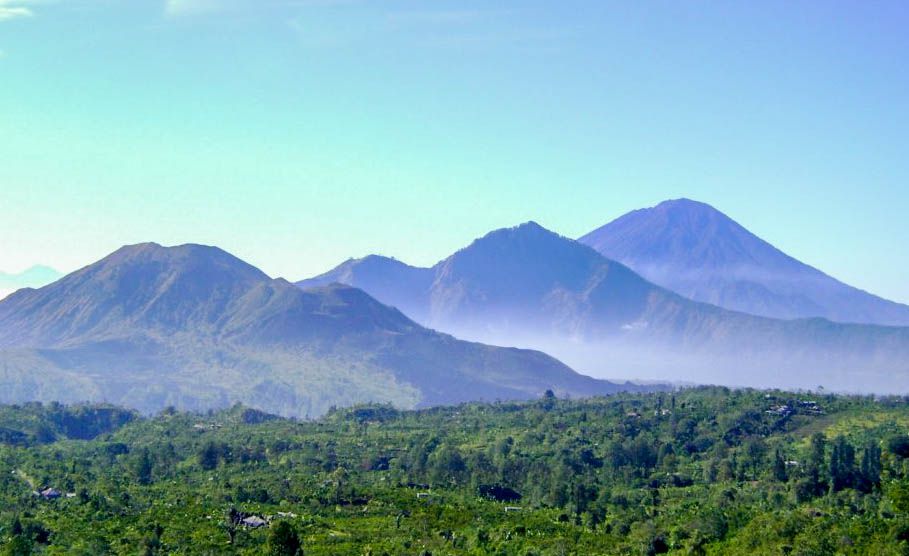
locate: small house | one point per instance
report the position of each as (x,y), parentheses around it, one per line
(254,522)
(50,493)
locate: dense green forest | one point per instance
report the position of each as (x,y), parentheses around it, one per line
(697,471)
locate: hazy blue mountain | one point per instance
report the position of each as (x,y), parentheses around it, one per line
(700,253)
(511,276)
(395,283)
(195,327)
(530,287)
(33,277)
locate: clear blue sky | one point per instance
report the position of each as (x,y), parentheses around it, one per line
(298,133)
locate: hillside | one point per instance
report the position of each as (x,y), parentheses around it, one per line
(194,327)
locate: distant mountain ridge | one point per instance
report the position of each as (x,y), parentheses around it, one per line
(697,251)
(195,327)
(33,277)
(401,285)
(530,287)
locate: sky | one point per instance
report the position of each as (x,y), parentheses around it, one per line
(298,133)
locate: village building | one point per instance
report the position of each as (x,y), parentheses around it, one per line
(254,522)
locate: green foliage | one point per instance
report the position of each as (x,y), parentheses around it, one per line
(209,456)
(283,540)
(699,471)
(899,446)
(37,423)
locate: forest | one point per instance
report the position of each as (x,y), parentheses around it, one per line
(695,471)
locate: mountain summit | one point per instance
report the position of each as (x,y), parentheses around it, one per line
(699,252)
(144,286)
(195,327)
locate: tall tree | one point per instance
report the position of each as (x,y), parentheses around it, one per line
(842,465)
(779,467)
(142,467)
(869,475)
(815,464)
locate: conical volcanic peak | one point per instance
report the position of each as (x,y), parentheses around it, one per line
(685,233)
(699,252)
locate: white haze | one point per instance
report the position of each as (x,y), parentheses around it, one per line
(647,361)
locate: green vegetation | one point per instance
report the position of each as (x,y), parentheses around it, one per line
(699,471)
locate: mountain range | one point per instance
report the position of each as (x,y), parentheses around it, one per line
(697,251)
(683,295)
(194,327)
(530,287)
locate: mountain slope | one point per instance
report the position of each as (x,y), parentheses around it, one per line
(699,252)
(395,283)
(528,286)
(193,326)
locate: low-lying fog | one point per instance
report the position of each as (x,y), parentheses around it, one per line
(621,361)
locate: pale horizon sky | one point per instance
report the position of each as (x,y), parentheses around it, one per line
(298,133)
